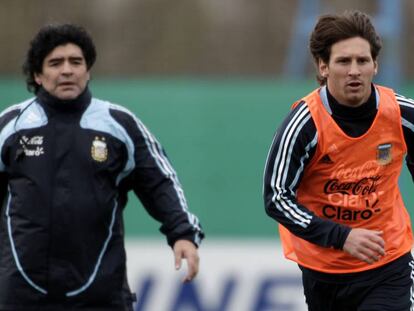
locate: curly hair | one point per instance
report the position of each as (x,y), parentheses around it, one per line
(330,29)
(47,39)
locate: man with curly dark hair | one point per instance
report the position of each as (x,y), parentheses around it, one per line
(67,162)
(48,38)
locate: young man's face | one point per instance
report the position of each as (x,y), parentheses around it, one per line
(64,72)
(350,71)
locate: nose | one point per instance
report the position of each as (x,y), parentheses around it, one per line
(354,69)
(66,68)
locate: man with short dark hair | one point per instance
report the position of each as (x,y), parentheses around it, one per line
(67,162)
(331,178)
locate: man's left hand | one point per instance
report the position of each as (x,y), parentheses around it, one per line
(186,249)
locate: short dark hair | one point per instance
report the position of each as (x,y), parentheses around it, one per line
(331,28)
(47,39)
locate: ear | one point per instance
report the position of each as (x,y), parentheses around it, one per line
(323,68)
(38,79)
(375,67)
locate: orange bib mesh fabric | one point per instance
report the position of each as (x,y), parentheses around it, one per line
(354,181)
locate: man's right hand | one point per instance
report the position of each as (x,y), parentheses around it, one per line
(366,245)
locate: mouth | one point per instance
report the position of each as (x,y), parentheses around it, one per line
(354,84)
(66,84)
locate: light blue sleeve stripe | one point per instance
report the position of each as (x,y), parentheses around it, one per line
(407,124)
(165,166)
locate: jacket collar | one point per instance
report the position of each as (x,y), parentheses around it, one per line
(53,103)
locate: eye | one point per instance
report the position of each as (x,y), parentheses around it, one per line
(342,61)
(363,60)
(76,61)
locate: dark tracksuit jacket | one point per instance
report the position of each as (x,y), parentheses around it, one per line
(66,168)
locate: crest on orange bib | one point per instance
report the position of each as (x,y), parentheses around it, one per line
(99,149)
(384,155)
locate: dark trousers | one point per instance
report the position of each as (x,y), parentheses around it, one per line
(388,288)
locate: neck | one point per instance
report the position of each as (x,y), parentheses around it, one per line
(368,98)
(78,103)
(353,112)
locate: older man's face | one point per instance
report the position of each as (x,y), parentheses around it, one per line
(64,72)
